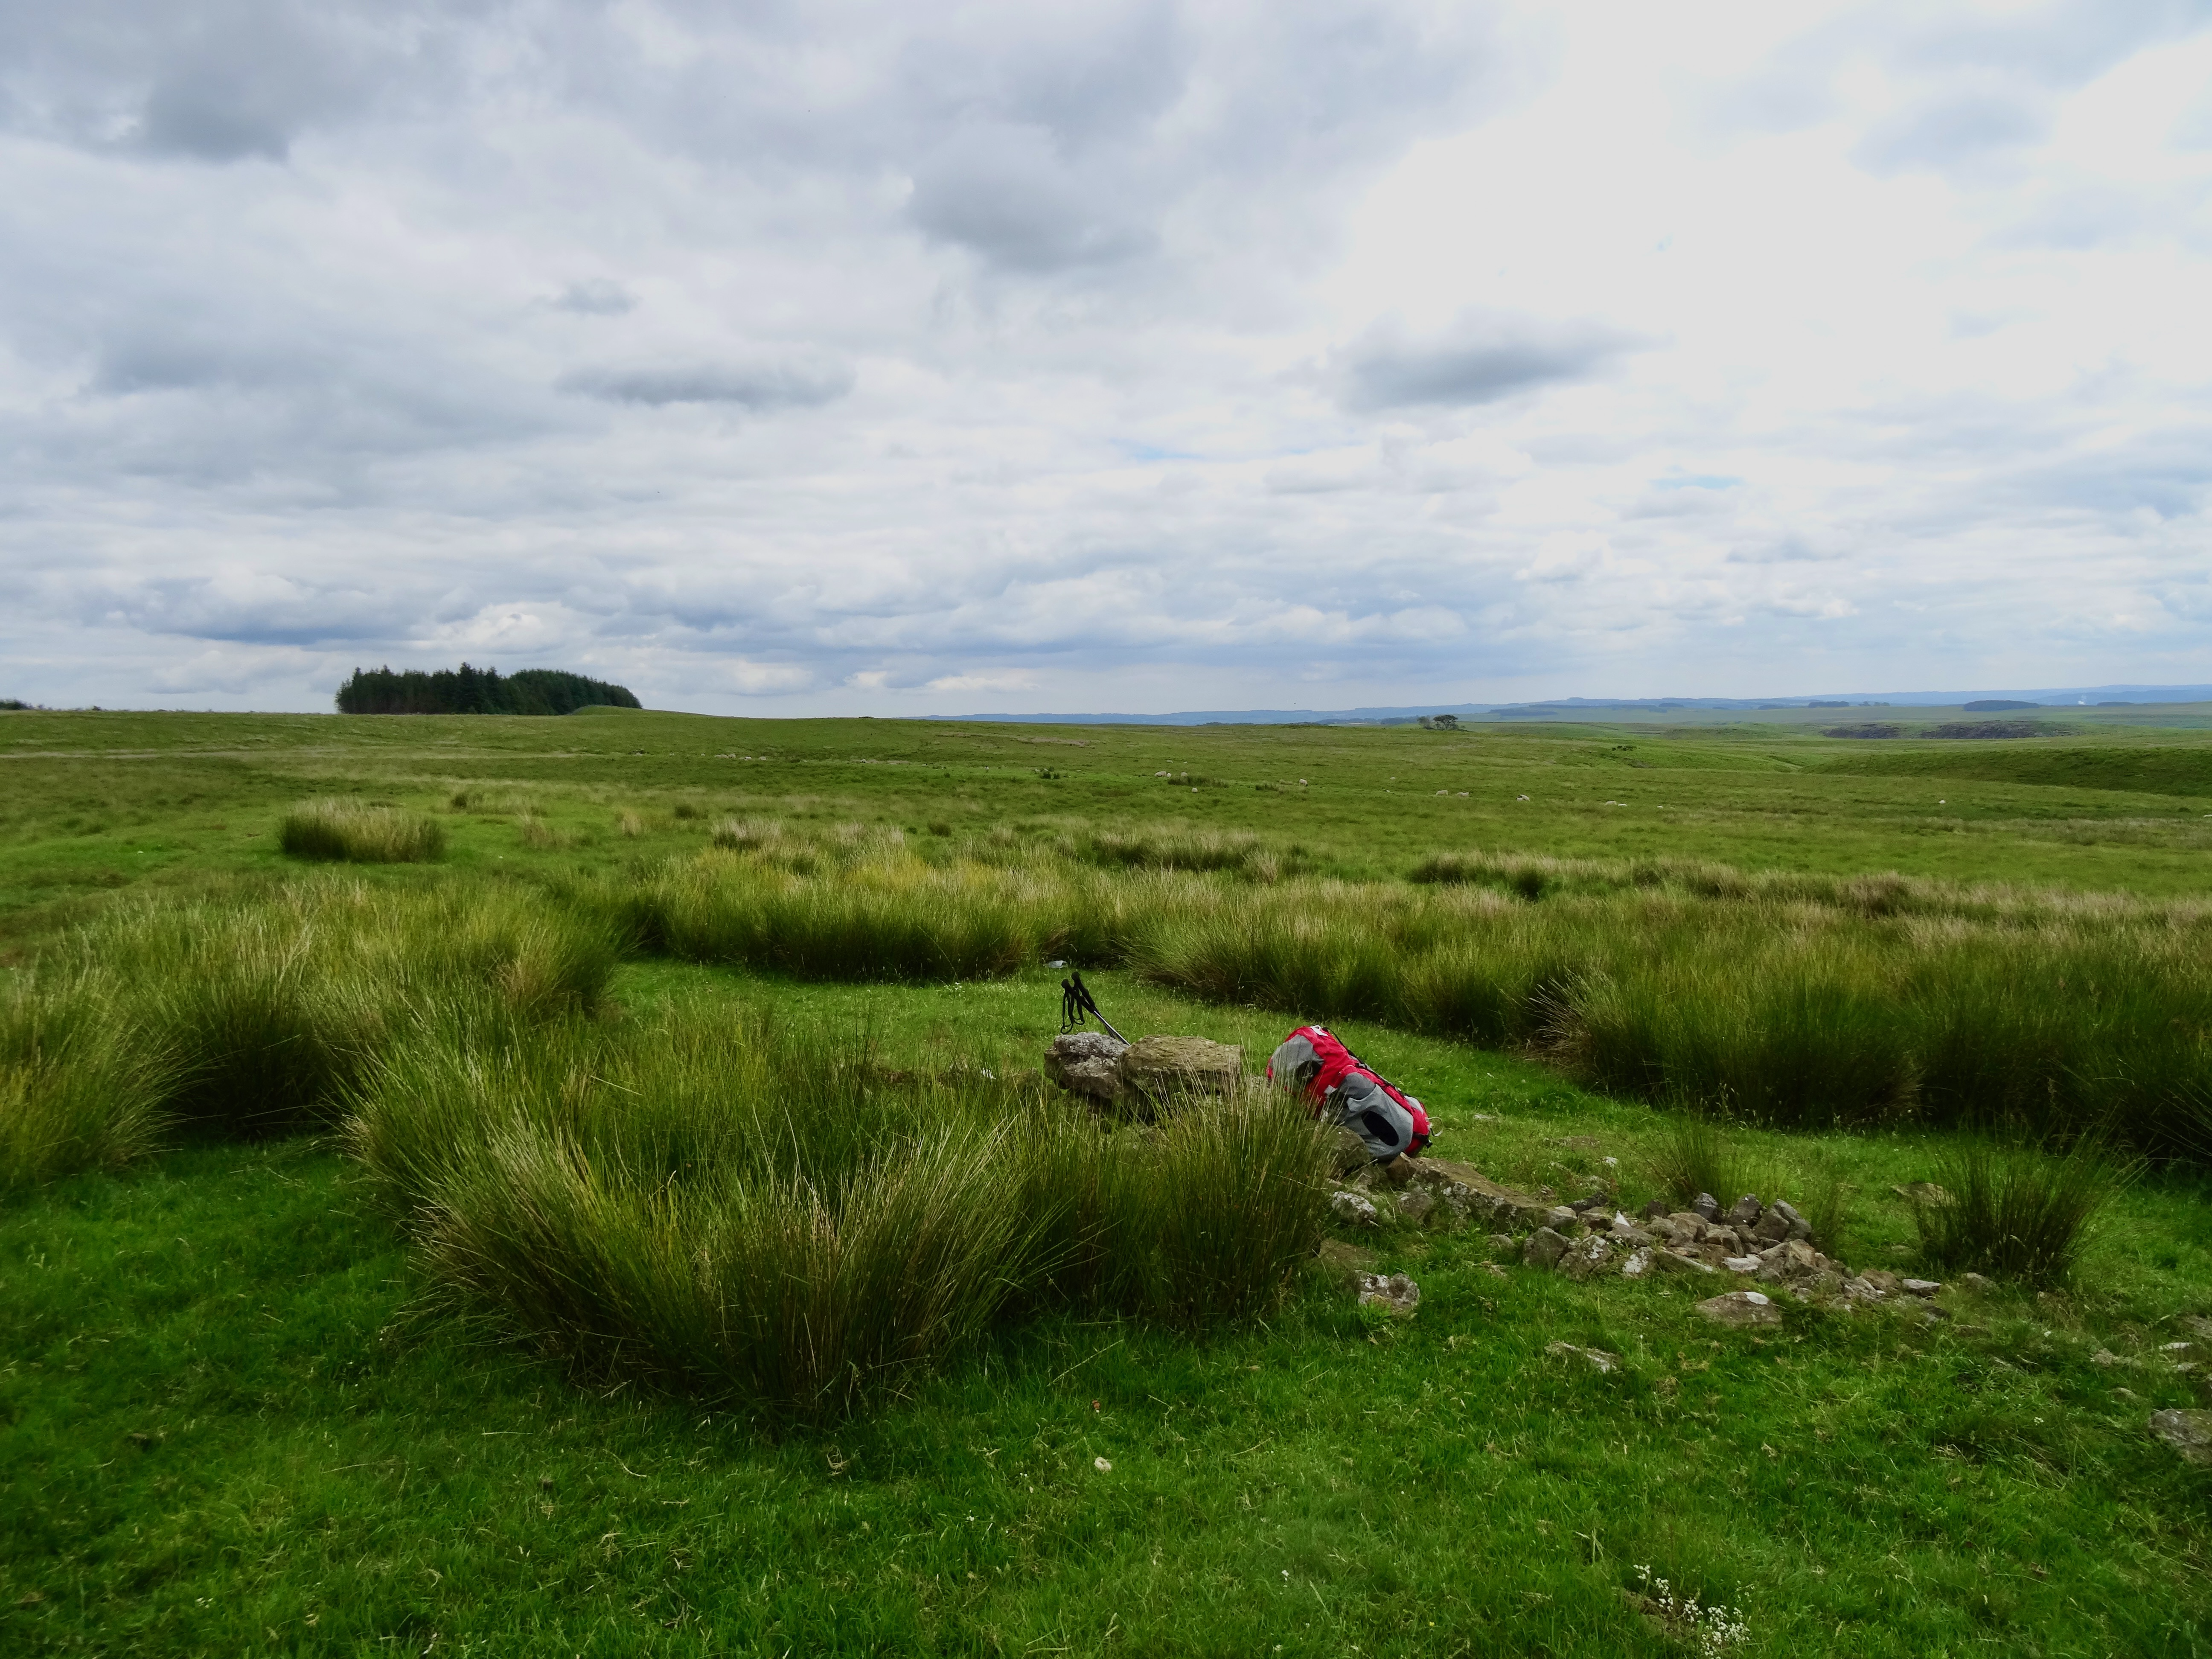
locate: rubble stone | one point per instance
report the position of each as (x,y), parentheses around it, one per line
(1397,1295)
(1587,1256)
(1740,1307)
(1597,1356)
(1353,1210)
(1544,1248)
(1745,1212)
(1416,1206)
(1918,1286)
(2189,1432)
(1707,1207)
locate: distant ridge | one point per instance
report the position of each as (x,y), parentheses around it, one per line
(1584,708)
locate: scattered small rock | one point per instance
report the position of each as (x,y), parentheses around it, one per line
(1740,1264)
(1396,1294)
(1606,1362)
(1741,1308)
(1921,1192)
(1975,1284)
(2107,1357)
(2189,1432)
(1918,1286)
(1353,1210)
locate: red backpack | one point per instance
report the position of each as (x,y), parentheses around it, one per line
(1313,1057)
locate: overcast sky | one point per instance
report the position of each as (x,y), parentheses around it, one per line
(839,358)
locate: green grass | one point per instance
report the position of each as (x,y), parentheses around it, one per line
(1788,1000)
(725,1204)
(2017,1211)
(261,1394)
(322,1456)
(348,832)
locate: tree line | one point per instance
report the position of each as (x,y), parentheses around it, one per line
(466,691)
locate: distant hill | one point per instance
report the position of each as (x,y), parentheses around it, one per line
(466,691)
(1618,708)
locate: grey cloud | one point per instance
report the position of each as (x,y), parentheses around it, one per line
(781,383)
(1954,130)
(1974,83)
(596,296)
(1482,357)
(1788,549)
(1003,193)
(217,81)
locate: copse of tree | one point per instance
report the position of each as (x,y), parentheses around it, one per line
(466,691)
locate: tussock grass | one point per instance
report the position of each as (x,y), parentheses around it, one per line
(256,1015)
(1848,1005)
(2015,1212)
(78,1089)
(349,832)
(1159,849)
(760,1211)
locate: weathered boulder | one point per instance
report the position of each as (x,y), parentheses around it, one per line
(1163,1070)
(2189,1432)
(1083,1063)
(1741,1308)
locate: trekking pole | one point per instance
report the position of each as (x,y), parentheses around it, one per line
(1075,1001)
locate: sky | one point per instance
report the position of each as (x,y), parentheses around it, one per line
(844,358)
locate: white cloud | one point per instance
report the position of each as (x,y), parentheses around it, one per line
(1130,353)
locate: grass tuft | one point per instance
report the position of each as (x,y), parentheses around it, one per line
(759,1211)
(79,1089)
(347,831)
(2017,1212)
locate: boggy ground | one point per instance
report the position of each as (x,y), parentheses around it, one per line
(232,1418)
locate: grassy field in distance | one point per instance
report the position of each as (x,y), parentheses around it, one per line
(236,1415)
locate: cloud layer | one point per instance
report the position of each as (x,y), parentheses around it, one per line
(861,358)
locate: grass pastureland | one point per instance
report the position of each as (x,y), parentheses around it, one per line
(256,1014)
(345,831)
(763,1213)
(2062,1018)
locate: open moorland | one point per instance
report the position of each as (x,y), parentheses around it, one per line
(584,1184)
